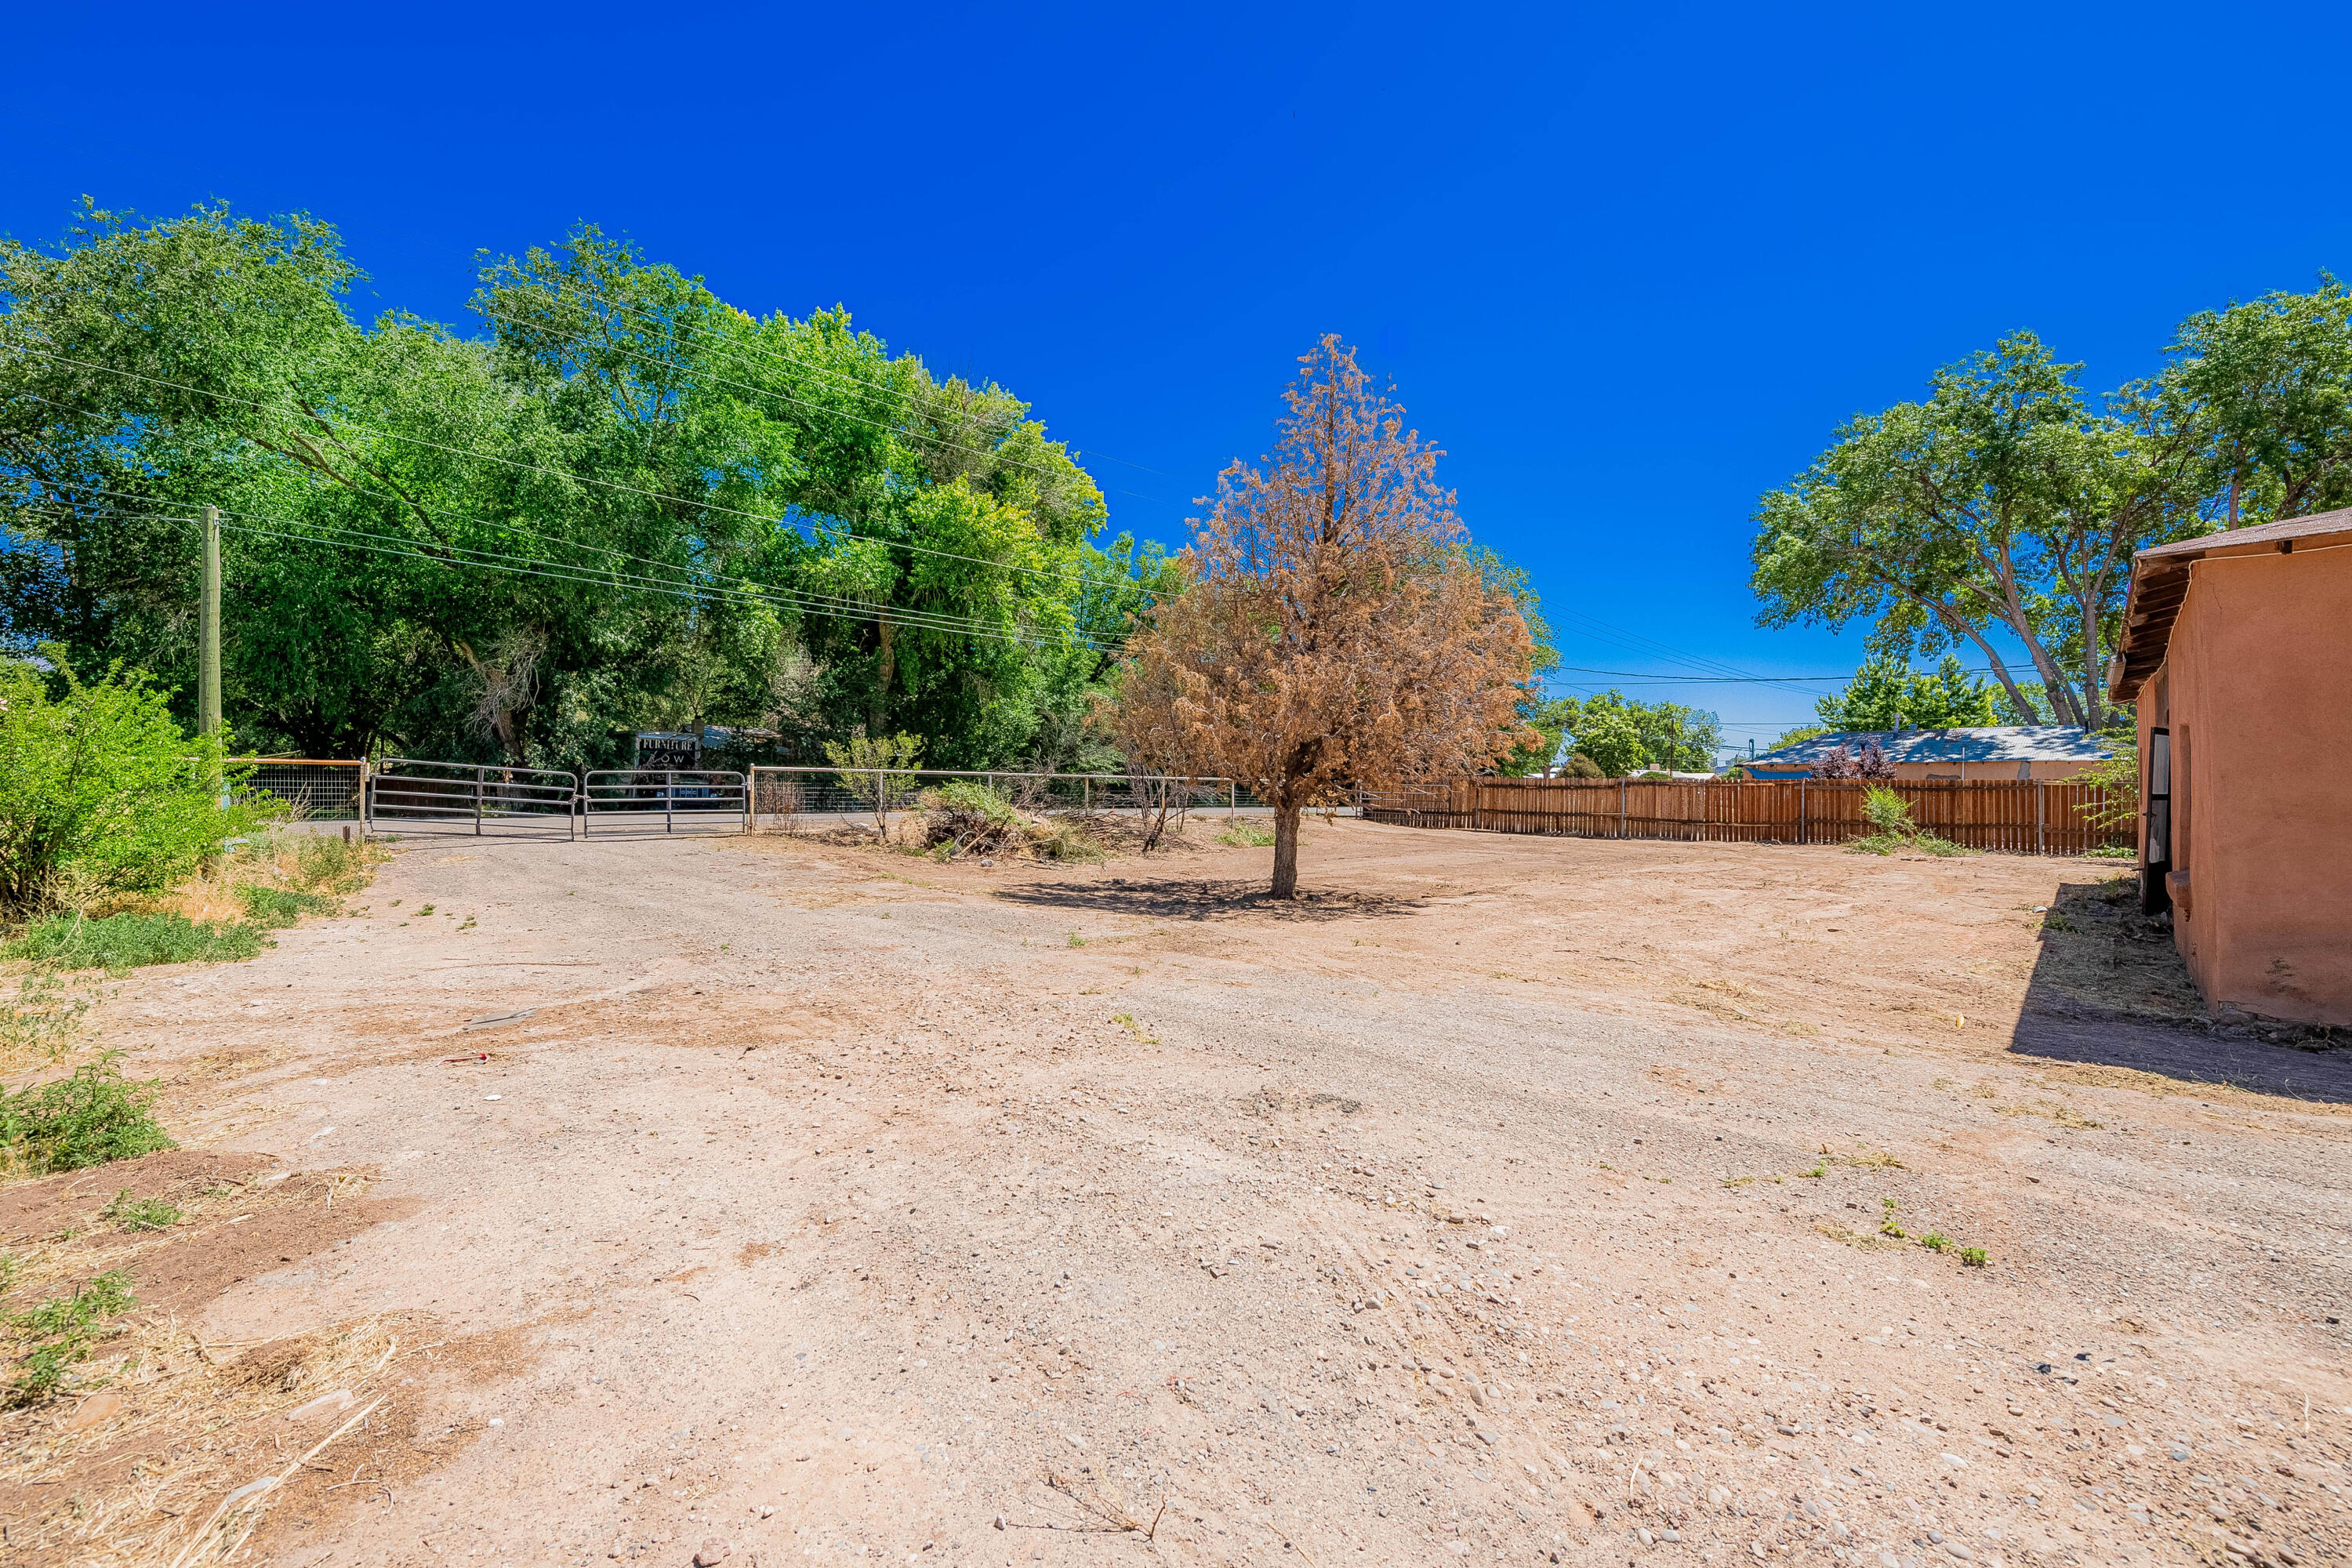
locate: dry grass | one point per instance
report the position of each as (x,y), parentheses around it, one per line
(204,1440)
(166,1449)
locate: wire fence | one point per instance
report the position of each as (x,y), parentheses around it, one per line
(469,797)
(814,799)
(311,788)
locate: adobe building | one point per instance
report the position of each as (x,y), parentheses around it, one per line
(2238,648)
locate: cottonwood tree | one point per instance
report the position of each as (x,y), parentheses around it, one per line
(2006,502)
(1338,630)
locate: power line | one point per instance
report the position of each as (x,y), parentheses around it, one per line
(312,533)
(554,473)
(820,603)
(1652,676)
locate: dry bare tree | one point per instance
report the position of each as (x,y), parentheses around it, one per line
(1336,631)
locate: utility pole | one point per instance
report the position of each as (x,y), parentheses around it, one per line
(208,668)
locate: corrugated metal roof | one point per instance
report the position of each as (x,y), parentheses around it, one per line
(1987,743)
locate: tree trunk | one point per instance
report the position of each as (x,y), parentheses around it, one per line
(1286,852)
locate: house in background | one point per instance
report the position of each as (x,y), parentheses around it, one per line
(1990,751)
(2238,648)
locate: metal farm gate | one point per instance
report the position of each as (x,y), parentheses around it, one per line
(479,796)
(696,799)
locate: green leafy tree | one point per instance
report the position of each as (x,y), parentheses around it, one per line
(2009,501)
(1885,695)
(1612,738)
(2006,502)
(2268,385)
(1622,736)
(629,505)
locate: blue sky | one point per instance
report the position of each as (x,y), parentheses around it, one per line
(1630,267)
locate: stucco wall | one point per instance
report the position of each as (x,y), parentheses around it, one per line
(2257,684)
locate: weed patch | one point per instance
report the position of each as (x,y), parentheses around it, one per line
(274,908)
(93,1118)
(1241,833)
(139,1214)
(59,1333)
(127,941)
(43,1016)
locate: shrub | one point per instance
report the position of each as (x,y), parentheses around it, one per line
(1844,762)
(60,1332)
(2119,776)
(1242,833)
(1889,817)
(875,771)
(1887,812)
(93,1118)
(127,941)
(100,793)
(1580,766)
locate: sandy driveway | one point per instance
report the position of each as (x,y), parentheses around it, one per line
(1521,1202)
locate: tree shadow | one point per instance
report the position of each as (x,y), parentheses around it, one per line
(2110,989)
(1173,898)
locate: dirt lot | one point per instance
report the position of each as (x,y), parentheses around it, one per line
(1511,1199)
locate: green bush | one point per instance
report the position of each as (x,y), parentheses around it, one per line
(1244,834)
(1889,816)
(59,1333)
(100,793)
(93,1118)
(129,941)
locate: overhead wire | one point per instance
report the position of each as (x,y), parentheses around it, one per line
(564,474)
(802,598)
(312,531)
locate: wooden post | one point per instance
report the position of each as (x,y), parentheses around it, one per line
(2041,817)
(1800,812)
(1620,808)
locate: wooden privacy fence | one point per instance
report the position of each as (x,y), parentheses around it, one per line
(2026,816)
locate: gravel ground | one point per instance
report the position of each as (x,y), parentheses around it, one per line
(1522,1200)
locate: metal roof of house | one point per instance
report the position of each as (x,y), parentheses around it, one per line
(2160,581)
(1987,743)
